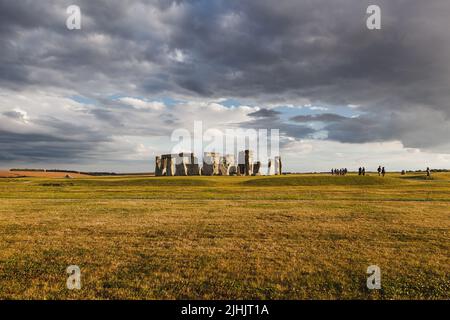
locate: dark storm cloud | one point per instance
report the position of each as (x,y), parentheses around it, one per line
(123,119)
(33,147)
(270,119)
(420,128)
(266,51)
(265,113)
(324,117)
(26,14)
(13,114)
(50,139)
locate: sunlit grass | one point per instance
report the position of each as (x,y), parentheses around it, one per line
(288,237)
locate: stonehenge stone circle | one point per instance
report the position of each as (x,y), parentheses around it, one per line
(186,164)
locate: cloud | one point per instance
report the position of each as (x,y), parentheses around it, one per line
(17,114)
(265,113)
(45,128)
(412,128)
(323,117)
(142,104)
(270,119)
(292,53)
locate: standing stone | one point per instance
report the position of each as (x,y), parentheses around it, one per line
(248,163)
(226,165)
(270,170)
(256,168)
(278,166)
(158,166)
(181,161)
(170,166)
(163,166)
(245,163)
(193,167)
(241,163)
(211,161)
(186,164)
(167,165)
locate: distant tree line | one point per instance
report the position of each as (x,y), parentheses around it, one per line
(66,171)
(32,170)
(432,170)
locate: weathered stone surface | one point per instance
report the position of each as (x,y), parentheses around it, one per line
(256,168)
(165,165)
(193,170)
(278,166)
(193,167)
(171,165)
(186,164)
(226,164)
(245,163)
(211,162)
(158,166)
(270,169)
(181,165)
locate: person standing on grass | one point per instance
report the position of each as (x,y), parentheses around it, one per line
(428,172)
(359,171)
(379,170)
(363,171)
(383,172)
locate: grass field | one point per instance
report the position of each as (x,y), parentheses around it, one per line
(284,237)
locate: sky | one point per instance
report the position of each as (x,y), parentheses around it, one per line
(109,96)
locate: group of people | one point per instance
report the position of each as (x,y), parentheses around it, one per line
(339,172)
(381,171)
(361,171)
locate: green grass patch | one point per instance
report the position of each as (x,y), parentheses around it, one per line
(132,182)
(321,180)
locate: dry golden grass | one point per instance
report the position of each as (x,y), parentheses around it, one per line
(225,237)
